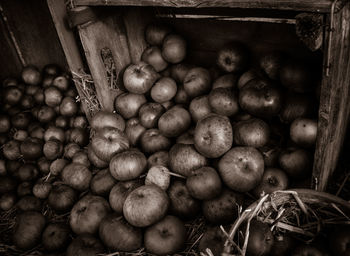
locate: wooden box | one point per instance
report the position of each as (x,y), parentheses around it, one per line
(115,29)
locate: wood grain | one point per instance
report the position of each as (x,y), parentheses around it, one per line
(109,32)
(334,107)
(297,5)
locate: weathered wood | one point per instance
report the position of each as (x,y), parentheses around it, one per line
(297,5)
(334,106)
(68,42)
(107,34)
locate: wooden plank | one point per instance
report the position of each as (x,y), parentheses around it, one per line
(334,107)
(297,5)
(107,33)
(69,44)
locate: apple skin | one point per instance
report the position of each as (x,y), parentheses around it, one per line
(213,135)
(107,119)
(158,158)
(140,77)
(222,209)
(273,179)
(145,205)
(182,204)
(87,214)
(164,90)
(339,240)
(184,158)
(85,245)
(260,239)
(213,238)
(224,101)
(152,140)
(150,113)
(199,108)
(197,82)
(303,131)
(153,56)
(226,81)
(241,168)
(233,57)
(253,132)
(296,162)
(167,236)
(134,130)
(204,183)
(128,104)
(155,33)
(174,121)
(174,48)
(260,98)
(128,165)
(109,141)
(118,235)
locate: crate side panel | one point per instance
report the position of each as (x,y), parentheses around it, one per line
(334,107)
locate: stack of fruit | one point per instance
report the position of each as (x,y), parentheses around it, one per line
(185,141)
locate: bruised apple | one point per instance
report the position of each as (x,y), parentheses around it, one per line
(197,82)
(213,135)
(145,205)
(174,121)
(242,168)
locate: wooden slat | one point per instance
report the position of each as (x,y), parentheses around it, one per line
(335,97)
(297,5)
(108,32)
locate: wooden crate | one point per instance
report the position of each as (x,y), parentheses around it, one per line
(118,26)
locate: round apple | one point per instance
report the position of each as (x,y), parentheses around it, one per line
(85,245)
(213,239)
(242,168)
(199,108)
(181,96)
(174,121)
(152,140)
(31,75)
(107,119)
(303,131)
(164,90)
(128,104)
(260,239)
(55,237)
(296,105)
(233,57)
(296,162)
(155,33)
(197,82)
(158,158)
(77,176)
(87,214)
(150,113)
(174,48)
(225,81)
(102,183)
(213,135)
(273,179)
(145,205)
(179,71)
(167,236)
(153,56)
(223,101)
(271,63)
(134,130)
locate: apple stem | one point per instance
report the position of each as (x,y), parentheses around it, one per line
(175,174)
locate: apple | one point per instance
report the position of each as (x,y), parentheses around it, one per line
(77,176)
(158,158)
(181,96)
(118,235)
(158,175)
(155,33)
(102,183)
(213,239)
(31,75)
(140,77)
(46,114)
(253,132)
(107,119)
(150,113)
(120,191)
(21,120)
(273,179)
(68,106)
(145,205)
(3,168)
(164,90)
(241,168)
(29,203)
(71,149)
(226,81)
(174,121)
(47,80)
(296,105)
(24,189)
(179,71)
(182,204)
(79,136)
(260,98)
(197,82)
(213,135)
(187,137)
(53,96)
(168,236)
(57,166)
(7,201)
(42,189)
(199,108)
(62,122)
(233,57)
(20,135)
(128,165)
(128,104)
(168,104)
(55,237)
(44,165)
(53,149)
(204,183)
(27,102)
(31,148)
(61,82)
(51,69)
(339,240)
(134,130)
(27,172)
(271,63)
(7,184)
(303,131)
(223,101)
(152,140)
(87,214)
(54,132)
(11,150)
(5,124)
(296,162)
(12,95)
(80,122)
(81,157)
(153,56)
(174,48)
(297,76)
(85,245)
(39,97)
(9,81)
(183,159)
(109,141)
(224,208)
(270,152)
(260,239)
